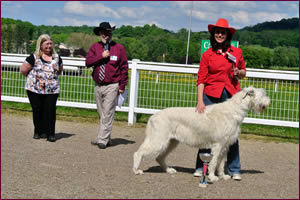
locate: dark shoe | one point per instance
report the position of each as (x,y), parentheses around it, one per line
(101,146)
(43,135)
(36,136)
(94,143)
(51,139)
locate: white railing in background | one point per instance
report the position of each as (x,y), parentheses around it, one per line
(155,86)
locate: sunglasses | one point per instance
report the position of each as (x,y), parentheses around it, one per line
(106,33)
(220,32)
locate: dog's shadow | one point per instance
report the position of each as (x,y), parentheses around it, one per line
(158,169)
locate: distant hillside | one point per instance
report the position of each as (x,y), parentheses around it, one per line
(277,43)
(271,34)
(284,24)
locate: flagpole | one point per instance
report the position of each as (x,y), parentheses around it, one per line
(188,42)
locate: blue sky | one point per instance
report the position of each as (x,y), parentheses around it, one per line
(171,15)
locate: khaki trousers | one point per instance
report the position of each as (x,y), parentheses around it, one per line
(106,99)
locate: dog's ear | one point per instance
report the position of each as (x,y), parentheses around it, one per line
(249,92)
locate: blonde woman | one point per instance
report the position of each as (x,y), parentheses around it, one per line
(42,69)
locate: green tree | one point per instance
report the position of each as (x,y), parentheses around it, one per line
(293,57)
(124,31)
(9,46)
(280,56)
(257,56)
(176,51)
(126,42)
(59,38)
(182,34)
(264,45)
(138,50)
(81,40)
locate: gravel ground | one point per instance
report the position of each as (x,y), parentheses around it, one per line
(72,168)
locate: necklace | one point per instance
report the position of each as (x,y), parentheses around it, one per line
(221,52)
(46,57)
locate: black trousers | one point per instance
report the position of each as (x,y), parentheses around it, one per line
(43,112)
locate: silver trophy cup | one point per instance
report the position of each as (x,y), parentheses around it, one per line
(206,158)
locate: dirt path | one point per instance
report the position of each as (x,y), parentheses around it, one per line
(71,168)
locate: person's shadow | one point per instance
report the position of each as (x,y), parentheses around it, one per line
(120,141)
(59,136)
(251,171)
(115,141)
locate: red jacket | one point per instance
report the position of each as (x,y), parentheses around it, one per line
(216,72)
(116,66)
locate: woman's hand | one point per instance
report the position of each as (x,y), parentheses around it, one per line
(200,107)
(239,73)
(236,71)
(60,70)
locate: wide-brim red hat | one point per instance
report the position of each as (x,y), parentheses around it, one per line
(222,23)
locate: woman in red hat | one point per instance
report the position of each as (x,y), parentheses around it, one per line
(220,68)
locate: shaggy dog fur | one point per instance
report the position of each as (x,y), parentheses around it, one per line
(217,128)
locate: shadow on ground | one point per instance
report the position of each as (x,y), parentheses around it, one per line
(120,141)
(59,136)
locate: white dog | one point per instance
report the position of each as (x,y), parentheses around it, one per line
(217,128)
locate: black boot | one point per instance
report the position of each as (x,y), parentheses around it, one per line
(51,138)
(36,136)
(43,136)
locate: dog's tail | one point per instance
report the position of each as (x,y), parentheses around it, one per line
(148,128)
(148,134)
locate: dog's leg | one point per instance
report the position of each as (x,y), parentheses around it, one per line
(161,159)
(221,173)
(137,158)
(145,150)
(215,150)
(142,151)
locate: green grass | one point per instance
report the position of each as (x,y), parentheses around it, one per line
(158,91)
(249,131)
(179,90)
(284,68)
(169,90)
(273,133)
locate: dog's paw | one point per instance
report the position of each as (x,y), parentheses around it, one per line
(212,179)
(225,177)
(171,170)
(137,171)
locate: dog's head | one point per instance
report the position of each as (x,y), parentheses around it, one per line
(258,100)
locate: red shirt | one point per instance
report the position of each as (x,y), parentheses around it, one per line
(216,72)
(116,66)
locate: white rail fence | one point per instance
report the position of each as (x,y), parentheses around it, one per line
(155,86)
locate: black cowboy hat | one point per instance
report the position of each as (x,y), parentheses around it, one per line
(103,26)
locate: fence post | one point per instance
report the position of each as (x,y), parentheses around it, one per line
(133,93)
